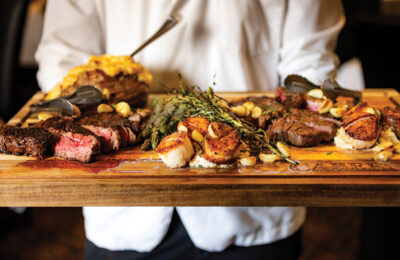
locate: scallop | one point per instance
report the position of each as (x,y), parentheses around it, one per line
(175,150)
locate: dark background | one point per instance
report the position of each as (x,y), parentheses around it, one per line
(371,34)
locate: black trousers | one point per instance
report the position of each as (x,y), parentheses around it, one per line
(177,245)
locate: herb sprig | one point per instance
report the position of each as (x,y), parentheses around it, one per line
(208,105)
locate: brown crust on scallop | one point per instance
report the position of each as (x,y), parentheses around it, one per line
(365,128)
(220,150)
(196,123)
(171,141)
(361,125)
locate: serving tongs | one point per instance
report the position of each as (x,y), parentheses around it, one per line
(330,88)
(172,20)
(84,96)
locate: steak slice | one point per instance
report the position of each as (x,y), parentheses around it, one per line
(73,142)
(294,133)
(303,128)
(328,126)
(25,141)
(114,131)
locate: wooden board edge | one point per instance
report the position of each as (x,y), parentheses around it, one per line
(205,195)
(15,120)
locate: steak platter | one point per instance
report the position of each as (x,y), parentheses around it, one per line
(232,149)
(194,128)
(82,138)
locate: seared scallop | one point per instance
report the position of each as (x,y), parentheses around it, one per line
(360,128)
(200,124)
(221,143)
(175,150)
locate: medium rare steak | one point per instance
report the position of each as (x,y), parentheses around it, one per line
(303,128)
(73,142)
(28,141)
(113,130)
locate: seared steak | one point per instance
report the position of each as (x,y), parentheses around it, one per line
(28,141)
(303,128)
(113,130)
(321,123)
(294,133)
(73,142)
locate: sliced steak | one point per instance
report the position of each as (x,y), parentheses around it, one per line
(25,141)
(303,128)
(294,133)
(311,119)
(114,131)
(73,142)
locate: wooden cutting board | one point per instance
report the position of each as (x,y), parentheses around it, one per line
(325,176)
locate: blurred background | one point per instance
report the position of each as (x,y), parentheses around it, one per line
(368,48)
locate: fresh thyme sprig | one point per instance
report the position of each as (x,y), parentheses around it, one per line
(208,105)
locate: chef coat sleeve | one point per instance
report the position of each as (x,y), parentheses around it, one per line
(309,35)
(71,33)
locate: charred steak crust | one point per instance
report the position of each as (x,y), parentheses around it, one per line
(61,125)
(25,141)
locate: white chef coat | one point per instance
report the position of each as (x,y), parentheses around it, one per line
(247,45)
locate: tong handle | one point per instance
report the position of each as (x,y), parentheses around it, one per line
(168,25)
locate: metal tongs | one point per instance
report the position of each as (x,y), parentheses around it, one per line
(330,88)
(172,20)
(85,96)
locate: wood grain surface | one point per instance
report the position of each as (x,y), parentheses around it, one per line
(325,176)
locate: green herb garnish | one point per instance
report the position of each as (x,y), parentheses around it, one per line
(328,153)
(163,122)
(271,109)
(208,105)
